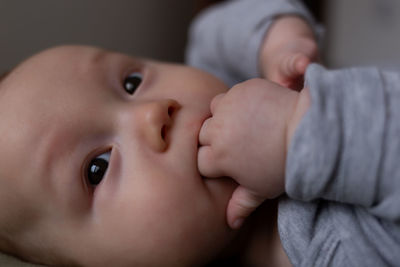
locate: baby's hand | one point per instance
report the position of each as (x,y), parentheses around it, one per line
(245,139)
(288,49)
(289,63)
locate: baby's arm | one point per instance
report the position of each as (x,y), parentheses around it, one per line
(226,39)
(347,147)
(288,48)
(246,139)
(343,166)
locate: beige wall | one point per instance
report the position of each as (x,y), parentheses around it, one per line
(152,28)
(358,31)
(362,32)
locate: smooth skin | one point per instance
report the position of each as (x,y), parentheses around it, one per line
(64,107)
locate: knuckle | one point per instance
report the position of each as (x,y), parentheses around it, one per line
(207,164)
(247,201)
(256,83)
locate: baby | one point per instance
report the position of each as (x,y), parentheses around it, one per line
(99,162)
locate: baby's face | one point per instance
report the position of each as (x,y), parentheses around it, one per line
(107,177)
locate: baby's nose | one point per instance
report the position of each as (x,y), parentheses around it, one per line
(156,122)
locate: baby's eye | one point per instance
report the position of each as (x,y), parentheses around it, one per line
(97,168)
(132,82)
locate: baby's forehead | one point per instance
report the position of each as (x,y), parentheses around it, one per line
(23,109)
(56,66)
(59,57)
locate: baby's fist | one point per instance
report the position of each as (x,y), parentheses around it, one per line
(245,139)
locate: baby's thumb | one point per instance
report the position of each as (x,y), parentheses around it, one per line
(295,65)
(242,203)
(301,63)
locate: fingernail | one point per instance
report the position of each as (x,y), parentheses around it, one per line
(238,223)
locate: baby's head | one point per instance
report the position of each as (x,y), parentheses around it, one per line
(99,162)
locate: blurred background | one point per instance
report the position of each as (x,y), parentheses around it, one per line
(150,28)
(357,31)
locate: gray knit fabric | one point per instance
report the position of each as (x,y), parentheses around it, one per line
(343,170)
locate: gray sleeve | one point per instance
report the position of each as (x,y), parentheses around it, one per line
(347,146)
(225,39)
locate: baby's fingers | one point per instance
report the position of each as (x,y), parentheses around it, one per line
(295,66)
(208,159)
(205,135)
(207,163)
(300,64)
(215,101)
(241,205)
(292,71)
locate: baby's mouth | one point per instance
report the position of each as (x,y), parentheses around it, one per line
(197,155)
(164,132)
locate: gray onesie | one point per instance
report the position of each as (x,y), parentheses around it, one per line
(343,169)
